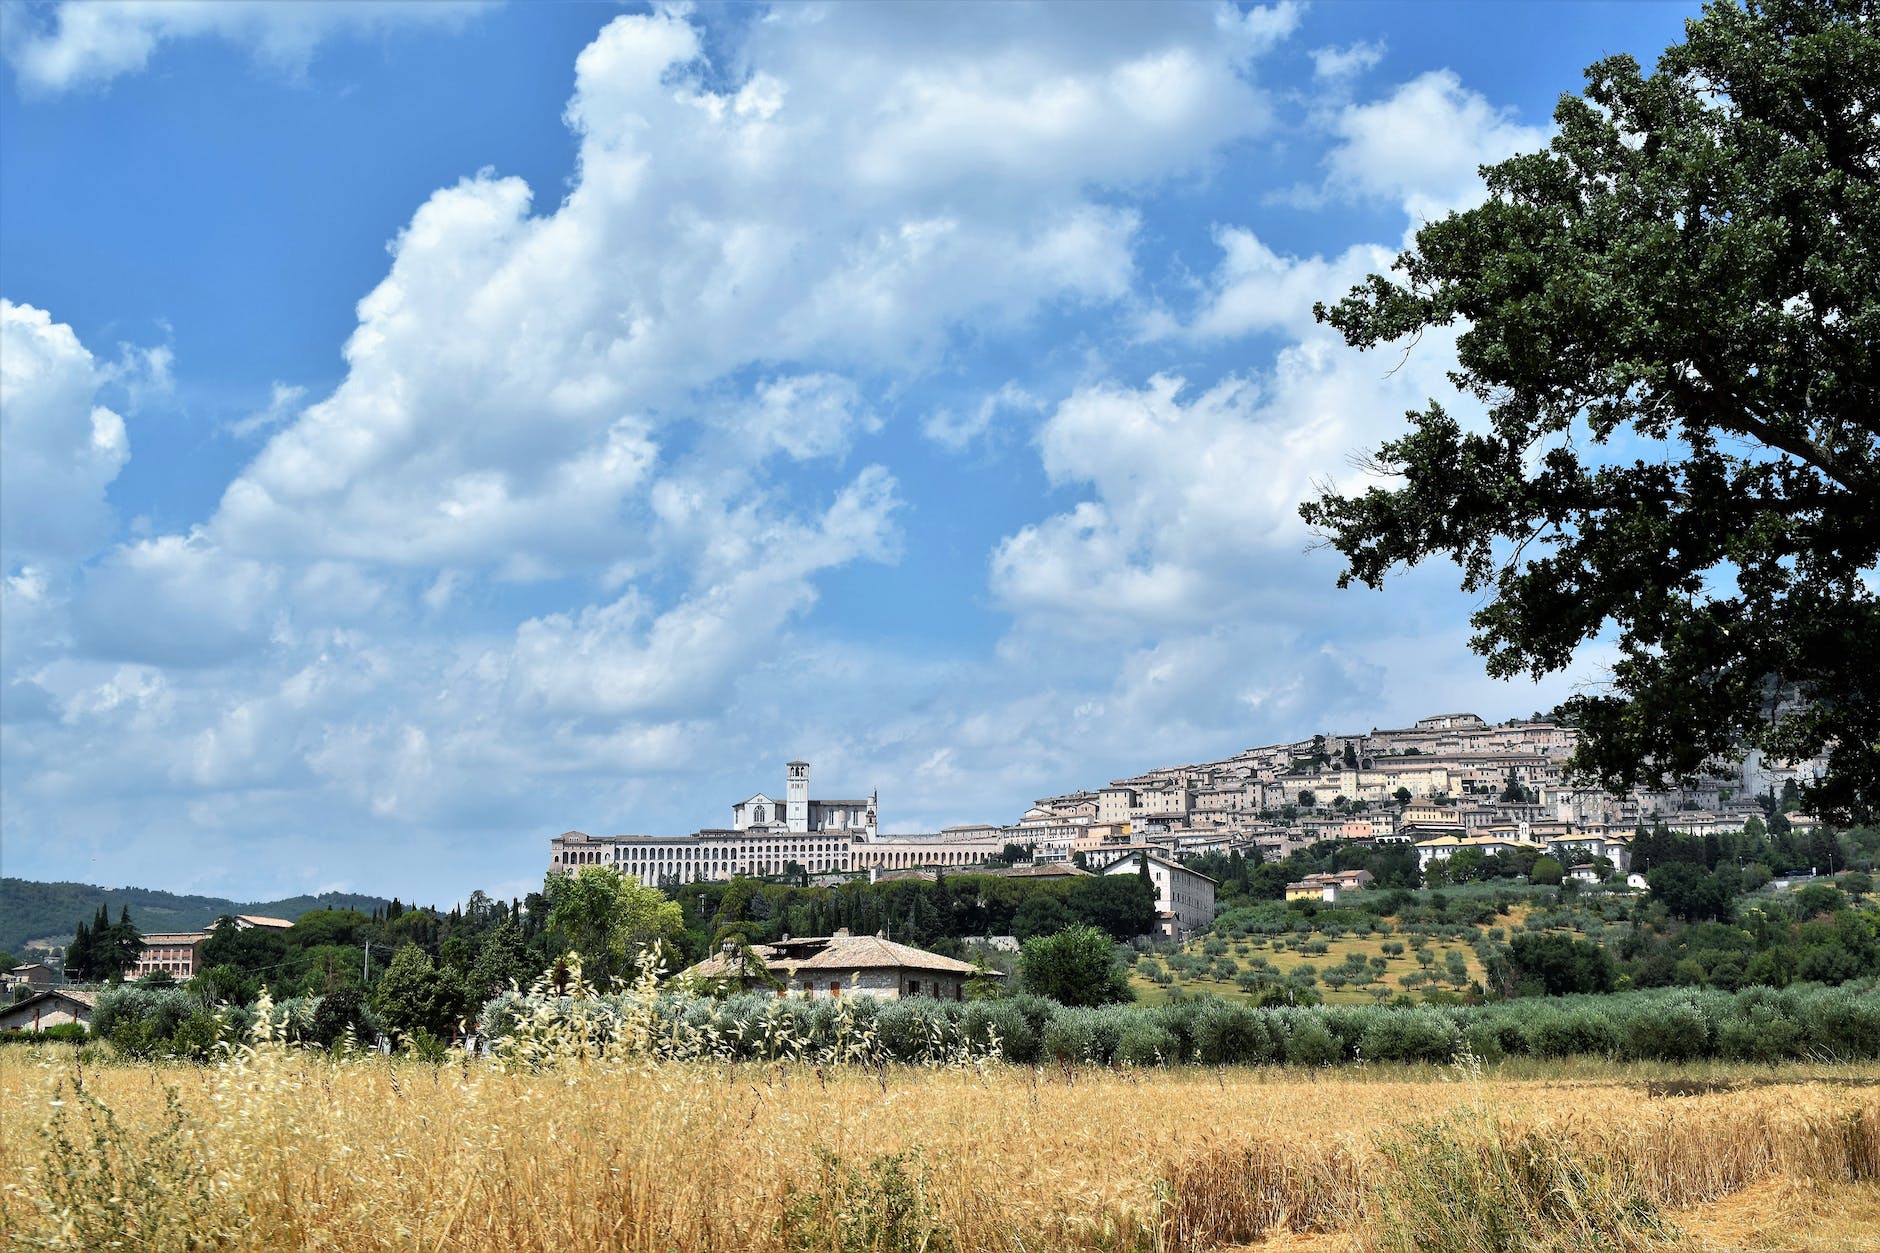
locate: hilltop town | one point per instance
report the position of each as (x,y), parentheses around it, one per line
(1449,783)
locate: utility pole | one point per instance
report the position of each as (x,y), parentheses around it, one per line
(367,976)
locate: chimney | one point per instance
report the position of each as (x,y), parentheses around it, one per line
(842,933)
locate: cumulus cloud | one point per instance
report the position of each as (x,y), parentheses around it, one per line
(1256,289)
(1193,493)
(174,600)
(59,447)
(85,43)
(1422,145)
(513,380)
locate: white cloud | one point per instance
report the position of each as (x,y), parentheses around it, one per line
(955,431)
(1421,146)
(175,600)
(1256,289)
(59,447)
(78,44)
(621,660)
(283,404)
(1339,64)
(514,380)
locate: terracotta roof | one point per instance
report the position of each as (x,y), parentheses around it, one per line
(262,920)
(835,953)
(81,996)
(862,952)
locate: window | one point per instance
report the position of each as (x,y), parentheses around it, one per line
(835,987)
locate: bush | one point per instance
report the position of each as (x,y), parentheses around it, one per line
(1227,1034)
(1410,1035)
(1308,1043)
(1670,1031)
(1066,1038)
(1581,1031)
(1145,1043)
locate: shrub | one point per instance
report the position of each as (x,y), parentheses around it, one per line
(1226,1034)
(1308,1043)
(1581,1031)
(1412,1035)
(1066,1038)
(1145,1043)
(1669,1031)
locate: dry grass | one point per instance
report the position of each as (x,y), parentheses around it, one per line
(296,1151)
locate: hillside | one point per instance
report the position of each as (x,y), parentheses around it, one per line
(52,911)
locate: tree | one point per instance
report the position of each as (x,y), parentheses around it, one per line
(611,919)
(1042,914)
(1691,892)
(1401,796)
(1672,317)
(1120,905)
(1077,966)
(1548,871)
(1552,964)
(413,995)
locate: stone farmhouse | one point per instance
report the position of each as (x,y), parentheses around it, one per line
(831,966)
(51,1008)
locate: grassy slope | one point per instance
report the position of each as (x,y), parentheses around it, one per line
(1150,993)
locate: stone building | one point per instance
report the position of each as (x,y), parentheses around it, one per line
(830,966)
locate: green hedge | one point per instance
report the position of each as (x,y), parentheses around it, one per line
(1802,1021)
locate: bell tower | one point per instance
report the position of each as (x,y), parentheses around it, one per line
(797,796)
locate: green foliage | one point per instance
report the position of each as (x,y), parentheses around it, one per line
(1553,964)
(1077,966)
(1690,262)
(415,997)
(611,919)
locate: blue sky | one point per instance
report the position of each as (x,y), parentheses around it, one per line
(431,427)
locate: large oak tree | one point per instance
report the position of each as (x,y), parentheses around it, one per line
(1671,318)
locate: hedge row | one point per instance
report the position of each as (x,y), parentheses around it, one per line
(1802,1021)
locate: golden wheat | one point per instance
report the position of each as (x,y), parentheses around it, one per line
(280,1148)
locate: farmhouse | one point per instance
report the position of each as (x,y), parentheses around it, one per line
(48,1009)
(830,965)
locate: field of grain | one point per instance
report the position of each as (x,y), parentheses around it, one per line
(280,1148)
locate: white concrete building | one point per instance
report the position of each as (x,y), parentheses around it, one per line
(1184,899)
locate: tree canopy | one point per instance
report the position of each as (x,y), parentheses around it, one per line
(1076,966)
(1672,323)
(611,918)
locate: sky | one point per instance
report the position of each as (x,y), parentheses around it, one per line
(431,427)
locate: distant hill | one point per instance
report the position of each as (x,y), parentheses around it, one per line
(52,911)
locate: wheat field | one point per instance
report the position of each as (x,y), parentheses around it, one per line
(278,1148)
